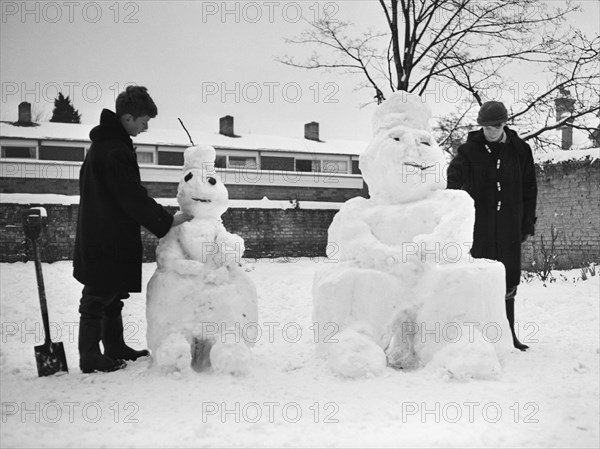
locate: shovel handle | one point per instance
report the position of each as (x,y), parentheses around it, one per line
(33,221)
(41,289)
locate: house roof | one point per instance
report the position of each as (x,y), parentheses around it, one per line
(171,137)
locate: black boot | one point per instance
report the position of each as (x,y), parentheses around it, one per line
(112,334)
(510,314)
(90,357)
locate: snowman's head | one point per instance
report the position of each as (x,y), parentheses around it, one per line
(403,162)
(201,193)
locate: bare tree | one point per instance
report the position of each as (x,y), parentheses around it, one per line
(472,45)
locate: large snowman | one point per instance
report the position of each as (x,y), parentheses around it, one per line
(405,292)
(201,305)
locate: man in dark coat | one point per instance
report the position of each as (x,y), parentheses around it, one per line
(496,168)
(108,246)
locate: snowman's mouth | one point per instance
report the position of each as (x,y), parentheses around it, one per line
(201,200)
(419,166)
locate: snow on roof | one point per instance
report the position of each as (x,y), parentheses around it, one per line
(47,130)
(172,137)
(557,156)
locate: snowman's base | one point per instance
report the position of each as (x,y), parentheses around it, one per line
(354,355)
(173,354)
(177,354)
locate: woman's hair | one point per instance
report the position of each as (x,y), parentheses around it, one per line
(136,101)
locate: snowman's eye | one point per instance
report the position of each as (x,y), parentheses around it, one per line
(188,177)
(424,142)
(397,139)
(212,181)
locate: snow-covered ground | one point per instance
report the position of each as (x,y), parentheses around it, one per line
(547,397)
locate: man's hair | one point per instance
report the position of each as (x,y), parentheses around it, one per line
(136,101)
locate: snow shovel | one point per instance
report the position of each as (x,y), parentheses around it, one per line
(50,357)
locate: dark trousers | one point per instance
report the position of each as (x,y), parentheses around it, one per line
(95,303)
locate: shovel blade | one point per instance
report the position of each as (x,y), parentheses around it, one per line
(50,359)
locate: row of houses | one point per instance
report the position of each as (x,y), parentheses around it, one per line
(45,158)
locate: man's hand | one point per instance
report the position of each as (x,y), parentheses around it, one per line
(180,218)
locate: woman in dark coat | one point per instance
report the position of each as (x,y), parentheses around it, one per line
(108,246)
(496,168)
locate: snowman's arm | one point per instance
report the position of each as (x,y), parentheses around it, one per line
(231,247)
(454,230)
(351,238)
(171,256)
(459,221)
(168,249)
(197,243)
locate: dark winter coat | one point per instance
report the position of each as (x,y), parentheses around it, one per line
(112,206)
(500,177)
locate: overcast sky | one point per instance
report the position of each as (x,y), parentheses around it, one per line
(199,59)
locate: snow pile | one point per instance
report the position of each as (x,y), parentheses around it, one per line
(557,156)
(545,397)
(264,203)
(199,294)
(404,291)
(37,198)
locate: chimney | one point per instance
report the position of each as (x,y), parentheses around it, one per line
(226,126)
(24,113)
(311,131)
(564,107)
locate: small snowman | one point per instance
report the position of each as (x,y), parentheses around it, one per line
(201,305)
(405,286)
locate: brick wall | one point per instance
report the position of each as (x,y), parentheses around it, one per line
(569,200)
(39,185)
(266,232)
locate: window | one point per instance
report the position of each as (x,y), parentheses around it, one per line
(355,168)
(339,167)
(58,153)
(307,165)
(242,162)
(277,163)
(18,152)
(144,157)
(221,162)
(170,158)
